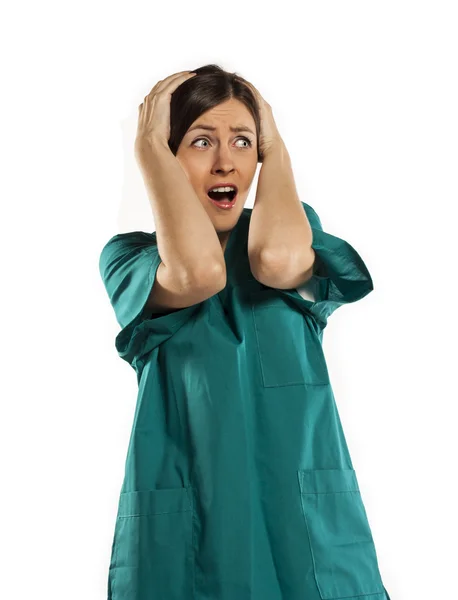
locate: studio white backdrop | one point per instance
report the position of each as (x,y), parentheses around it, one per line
(364,95)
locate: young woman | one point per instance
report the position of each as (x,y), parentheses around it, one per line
(238,480)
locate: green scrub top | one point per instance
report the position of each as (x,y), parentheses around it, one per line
(238,481)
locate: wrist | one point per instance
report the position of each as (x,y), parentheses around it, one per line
(278,149)
(147,149)
(150,143)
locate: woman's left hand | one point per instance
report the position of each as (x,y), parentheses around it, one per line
(269,137)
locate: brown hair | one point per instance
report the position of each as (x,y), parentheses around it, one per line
(211,86)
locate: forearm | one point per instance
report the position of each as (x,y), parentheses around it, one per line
(187,240)
(280,233)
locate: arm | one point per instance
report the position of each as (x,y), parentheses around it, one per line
(187,240)
(280,236)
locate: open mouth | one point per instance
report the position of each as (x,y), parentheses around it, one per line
(222,196)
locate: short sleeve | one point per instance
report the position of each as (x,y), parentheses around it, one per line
(340,275)
(128,265)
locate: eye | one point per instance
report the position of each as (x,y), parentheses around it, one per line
(250,143)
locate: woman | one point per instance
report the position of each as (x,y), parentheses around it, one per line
(238,480)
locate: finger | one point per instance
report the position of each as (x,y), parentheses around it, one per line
(254,90)
(170,81)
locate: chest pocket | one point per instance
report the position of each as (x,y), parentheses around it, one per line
(288,347)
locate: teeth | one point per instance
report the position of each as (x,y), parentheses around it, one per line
(223,189)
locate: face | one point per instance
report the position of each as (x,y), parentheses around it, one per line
(209,157)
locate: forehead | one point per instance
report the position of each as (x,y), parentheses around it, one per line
(231,115)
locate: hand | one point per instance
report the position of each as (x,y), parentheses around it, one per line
(154,112)
(269,137)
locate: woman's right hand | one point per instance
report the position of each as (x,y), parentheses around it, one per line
(154,112)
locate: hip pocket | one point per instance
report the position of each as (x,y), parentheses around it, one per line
(152,548)
(344,557)
(289,349)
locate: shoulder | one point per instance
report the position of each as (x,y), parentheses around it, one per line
(131,238)
(122,243)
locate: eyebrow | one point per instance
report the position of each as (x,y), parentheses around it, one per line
(236,129)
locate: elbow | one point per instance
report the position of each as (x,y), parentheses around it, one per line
(209,276)
(264,262)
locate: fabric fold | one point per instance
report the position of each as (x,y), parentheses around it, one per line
(340,275)
(128,266)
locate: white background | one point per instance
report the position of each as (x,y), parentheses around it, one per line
(365,97)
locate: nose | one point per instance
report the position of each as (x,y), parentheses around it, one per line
(224,161)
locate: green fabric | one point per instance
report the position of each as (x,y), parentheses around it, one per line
(238,481)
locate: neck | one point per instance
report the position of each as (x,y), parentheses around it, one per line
(223,238)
